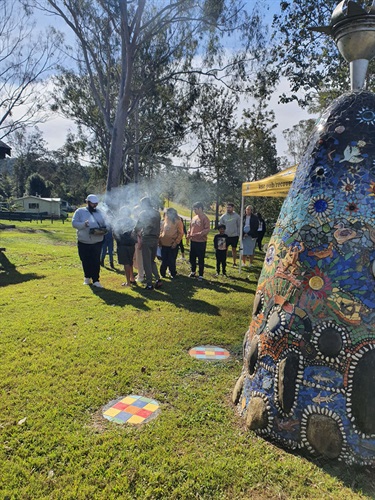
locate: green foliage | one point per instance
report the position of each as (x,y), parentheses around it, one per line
(36,185)
(136,76)
(297,139)
(309,60)
(67,350)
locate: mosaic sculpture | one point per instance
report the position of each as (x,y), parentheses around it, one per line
(308,377)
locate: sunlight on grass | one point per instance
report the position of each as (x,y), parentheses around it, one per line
(67,350)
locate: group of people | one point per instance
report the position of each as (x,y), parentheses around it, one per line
(230,224)
(139,238)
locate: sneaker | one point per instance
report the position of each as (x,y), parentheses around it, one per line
(192,275)
(234,265)
(86,281)
(112,265)
(217,275)
(200,278)
(158,284)
(149,287)
(97,284)
(140,279)
(225,275)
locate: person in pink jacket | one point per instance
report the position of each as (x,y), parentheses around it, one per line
(197,236)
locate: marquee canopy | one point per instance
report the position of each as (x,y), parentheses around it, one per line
(276,186)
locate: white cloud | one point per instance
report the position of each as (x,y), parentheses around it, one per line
(55,131)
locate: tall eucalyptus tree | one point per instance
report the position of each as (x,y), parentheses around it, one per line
(180,37)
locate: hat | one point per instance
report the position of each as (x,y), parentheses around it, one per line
(93,198)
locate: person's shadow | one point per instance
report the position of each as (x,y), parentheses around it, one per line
(9,274)
(180,291)
(120,299)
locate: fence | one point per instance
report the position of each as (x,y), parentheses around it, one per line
(29,217)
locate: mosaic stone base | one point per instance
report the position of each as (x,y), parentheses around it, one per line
(309,355)
(209,352)
(131,410)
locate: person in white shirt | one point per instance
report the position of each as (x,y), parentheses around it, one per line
(232,222)
(91,228)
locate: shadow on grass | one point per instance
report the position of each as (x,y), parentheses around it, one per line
(181,291)
(113,298)
(9,274)
(360,479)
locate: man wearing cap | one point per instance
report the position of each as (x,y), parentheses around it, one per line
(91,228)
(232,222)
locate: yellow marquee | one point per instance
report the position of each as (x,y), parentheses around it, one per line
(275,186)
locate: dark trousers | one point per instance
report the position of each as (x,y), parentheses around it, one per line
(168,260)
(259,239)
(197,251)
(90,258)
(149,247)
(181,247)
(221,258)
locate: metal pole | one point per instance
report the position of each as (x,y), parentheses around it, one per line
(241,232)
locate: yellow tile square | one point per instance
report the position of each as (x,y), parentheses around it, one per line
(135,420)
(112,412)
(128,400)
(151,407)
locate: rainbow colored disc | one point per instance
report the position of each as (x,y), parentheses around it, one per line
(131,410)
(209,352)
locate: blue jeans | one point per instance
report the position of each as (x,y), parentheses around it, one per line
(107,246)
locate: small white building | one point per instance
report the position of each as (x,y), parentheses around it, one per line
(38,205)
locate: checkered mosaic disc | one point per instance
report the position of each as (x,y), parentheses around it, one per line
(131,410)
(209,352)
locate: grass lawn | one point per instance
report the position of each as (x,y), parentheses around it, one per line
(66,350)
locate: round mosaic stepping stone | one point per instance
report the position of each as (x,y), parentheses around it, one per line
(131,410)
(209,352)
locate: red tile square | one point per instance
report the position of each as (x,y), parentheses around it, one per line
(120,406)
(144,413)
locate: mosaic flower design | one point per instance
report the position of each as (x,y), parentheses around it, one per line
(366,115)
(348,186)
(320,206)
(319,173)
(317,284)
(352,208)
(324,304)
(371,188)
(354,170)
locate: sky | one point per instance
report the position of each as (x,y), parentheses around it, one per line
(287,115)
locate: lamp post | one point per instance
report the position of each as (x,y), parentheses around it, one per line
(353,29)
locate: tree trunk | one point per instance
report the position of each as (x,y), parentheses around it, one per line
(136,147)
(217,205)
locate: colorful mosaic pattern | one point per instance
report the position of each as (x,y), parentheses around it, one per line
(308,378)
(131,410)
(209,352)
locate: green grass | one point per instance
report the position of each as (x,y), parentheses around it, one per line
(187,212)
(66,350)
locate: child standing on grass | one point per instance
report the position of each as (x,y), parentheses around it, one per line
(220,245)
